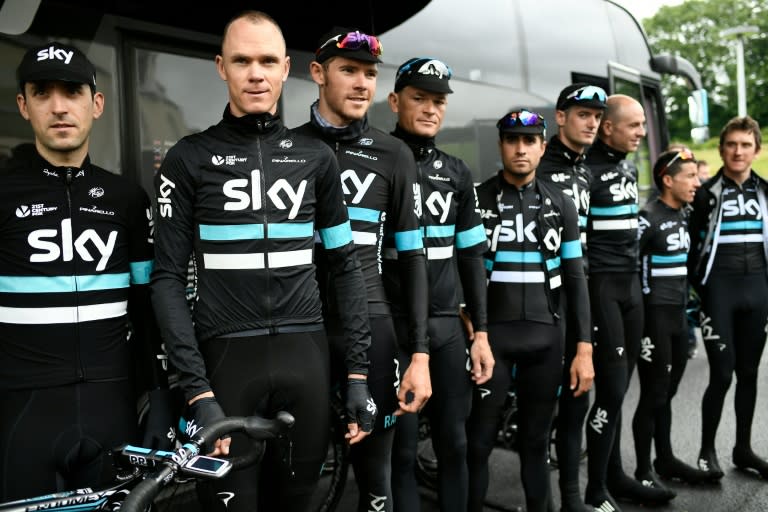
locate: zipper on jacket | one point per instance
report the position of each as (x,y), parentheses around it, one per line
(80,370)
(265,222)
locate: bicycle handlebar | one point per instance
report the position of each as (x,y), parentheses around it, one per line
(255,427)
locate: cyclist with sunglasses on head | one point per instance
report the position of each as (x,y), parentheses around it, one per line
(246,196)
(454,243)
(616,300)
(664,244)
(78,338)
(533,260)
(579,108)
(728,267)
(379,182)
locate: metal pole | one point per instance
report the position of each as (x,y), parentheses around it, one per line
(741,86)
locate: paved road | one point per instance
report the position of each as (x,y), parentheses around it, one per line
(738,491)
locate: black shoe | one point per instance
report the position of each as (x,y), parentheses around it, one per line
(651,480)
(673,468)
(570,500)
(602,502)
(708,463)
(624,488)
(746,459)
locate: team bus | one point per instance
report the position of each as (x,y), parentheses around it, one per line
(155,64)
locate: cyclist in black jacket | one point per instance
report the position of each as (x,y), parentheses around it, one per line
(534,257)
(616,300)
(664,244)
(454,240)
(728,267)
(580,107)
(378,178)
(247,196)
(76,255)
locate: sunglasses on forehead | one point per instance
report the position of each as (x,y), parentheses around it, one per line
(521,118)
(354,41)
(587,93)
(683,154)
(430,67)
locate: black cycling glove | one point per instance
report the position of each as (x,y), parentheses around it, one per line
(201,413)
(361,408)
(159,432)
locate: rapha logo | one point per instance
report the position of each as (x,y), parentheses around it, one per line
(285,144)
(23,211)
(50,173)
(96,192)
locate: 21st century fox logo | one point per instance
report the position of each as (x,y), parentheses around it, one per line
(34,210)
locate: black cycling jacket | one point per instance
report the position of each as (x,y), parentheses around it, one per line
(566,170)
(664,245)
(534,254)
(76,256)
(379,182)
(613,208)
(454,236)
(247,195)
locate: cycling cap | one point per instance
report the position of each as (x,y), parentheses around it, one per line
(582,94)
(522,122)
(424,73)
(56,61)
(351,44)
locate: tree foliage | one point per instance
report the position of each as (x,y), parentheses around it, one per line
(692,30)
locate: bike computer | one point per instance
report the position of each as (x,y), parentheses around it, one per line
(204,465)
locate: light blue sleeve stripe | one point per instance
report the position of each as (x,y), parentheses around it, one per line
(63,284)
(440,231)
(365,214)
(470,237)
(408,240)
(613,211)
(677,258)
(290,230)
(553,263)
(140,271)
(231,232)
(741,225)
(488,264)
(518,257)
(582,221)
(336,236)
(570,249)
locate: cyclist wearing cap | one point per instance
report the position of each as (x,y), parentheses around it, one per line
(664,244)
(616,299)
(76,256)
(378,177)
(245,196)
(727,266)
(578,112)
(534,257)
(454,241)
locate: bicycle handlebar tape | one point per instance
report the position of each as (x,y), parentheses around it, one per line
(141,496)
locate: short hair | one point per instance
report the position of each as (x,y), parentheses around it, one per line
(253,16)
(662,165)
(701,163)
(742,124)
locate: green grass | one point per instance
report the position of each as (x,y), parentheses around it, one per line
(708,151)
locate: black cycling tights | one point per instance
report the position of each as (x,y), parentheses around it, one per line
(263,375)
(733,323)
(447,410)
(617,314)
(534,351)
(58,438)
(660,367)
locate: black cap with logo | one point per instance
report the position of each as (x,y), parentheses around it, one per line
(583,95)
(56,61)
(424,73)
